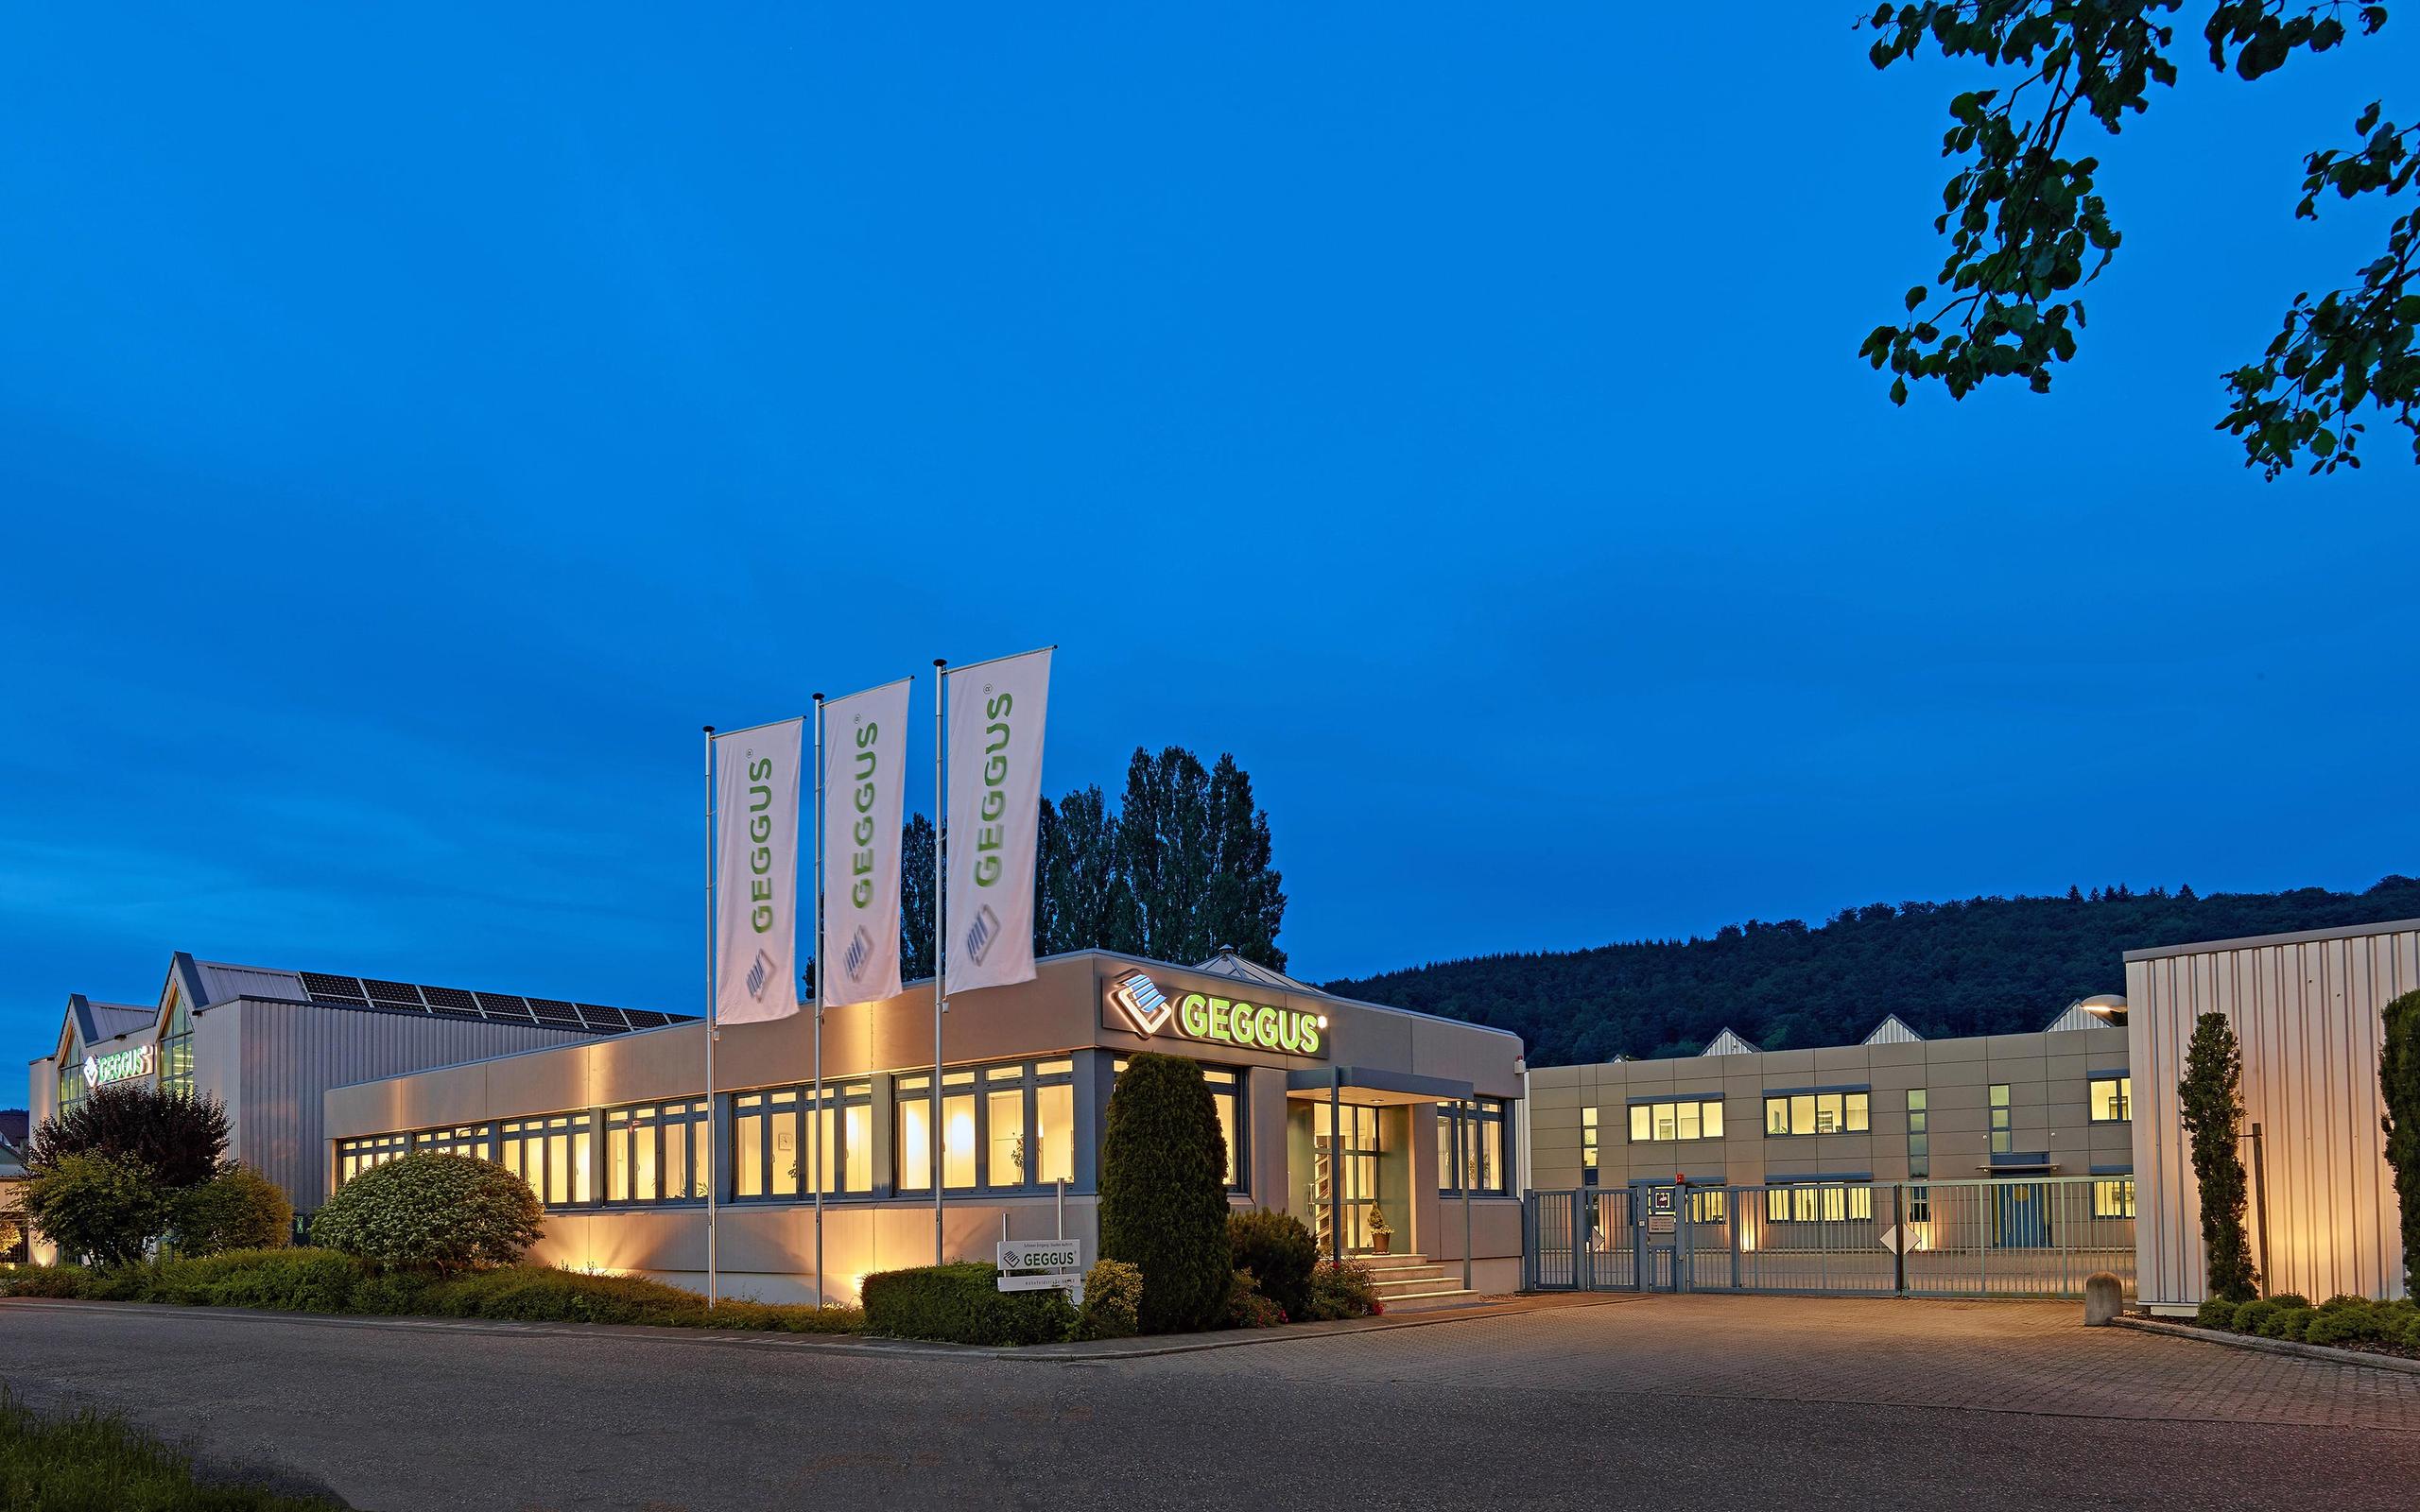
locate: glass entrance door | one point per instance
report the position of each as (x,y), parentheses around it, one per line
(1344,1180)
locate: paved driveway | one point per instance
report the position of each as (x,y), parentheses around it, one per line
(1679,1402)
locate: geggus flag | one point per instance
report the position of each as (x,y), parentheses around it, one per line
(756,774)
(996,717)
(865,752)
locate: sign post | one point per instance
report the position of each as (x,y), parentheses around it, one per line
(1041,1265)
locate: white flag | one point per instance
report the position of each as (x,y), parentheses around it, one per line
(995,718)
(865,760)
(757,872)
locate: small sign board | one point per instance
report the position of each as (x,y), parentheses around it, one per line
(1890,1239)
(1069,1281)
(1041,1254)
(1660,1222)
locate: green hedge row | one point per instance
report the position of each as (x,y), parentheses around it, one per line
(2339,1320)
(322,1281)
(964,1304)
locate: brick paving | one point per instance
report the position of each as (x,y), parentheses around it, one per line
(1998,1357)
(1686,1401)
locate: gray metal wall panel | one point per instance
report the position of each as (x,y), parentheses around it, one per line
(2308,1013)
(283,1056)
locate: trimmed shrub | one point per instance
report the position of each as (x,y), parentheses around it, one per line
(1343,1290)
(449,1212)
(2290,1299)
(2294,1323)
(1112,1300)
(964,1304)
(2346,1325)
(288,1280)
(44,1281)
(1164,1192)
(2210,1105)
(2409,1338)
(1280,1253)
(98,1208)
(1247,1308)
(237,1209)
(180,1137)
(2399,1084)
(2217,1313)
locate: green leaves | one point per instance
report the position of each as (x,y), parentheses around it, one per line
(2026,227)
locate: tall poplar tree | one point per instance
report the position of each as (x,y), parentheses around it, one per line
(2399,1083)
(2210,1103)
(916,898)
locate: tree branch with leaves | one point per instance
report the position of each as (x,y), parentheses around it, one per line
(2028,228)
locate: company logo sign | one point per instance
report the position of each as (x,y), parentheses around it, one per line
(119,1065)
(1134,1002)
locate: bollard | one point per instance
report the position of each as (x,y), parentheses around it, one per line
(2104,1297)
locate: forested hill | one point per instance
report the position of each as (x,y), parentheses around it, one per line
(1983,966)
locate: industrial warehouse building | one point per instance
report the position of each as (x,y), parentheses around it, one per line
(1347,1114)
(270,1042)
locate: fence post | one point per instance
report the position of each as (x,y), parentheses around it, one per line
(1899,1232)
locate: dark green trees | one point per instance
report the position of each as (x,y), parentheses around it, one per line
(2209,1103)
(1164,1192)
(2399,1081)
(177,1137)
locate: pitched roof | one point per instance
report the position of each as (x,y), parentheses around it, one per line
(1728,1043)
(96,1021)
(1227,963)
(1891,1031)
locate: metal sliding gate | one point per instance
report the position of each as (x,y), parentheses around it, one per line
(2010,1238)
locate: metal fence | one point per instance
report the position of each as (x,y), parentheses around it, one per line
(2009,1238)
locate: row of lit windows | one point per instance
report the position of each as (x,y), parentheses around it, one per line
(1818,1203)
(1842,1112)
(1692,1119)
(1818,1114)
(1003,1128)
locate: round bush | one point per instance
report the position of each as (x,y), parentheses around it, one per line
(1112,1299)
(1164,1192)
(237,1209)
(1280,1253)
(2217,1313)
(97,1208)
(446,1211)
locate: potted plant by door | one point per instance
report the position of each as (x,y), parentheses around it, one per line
(1381,1235)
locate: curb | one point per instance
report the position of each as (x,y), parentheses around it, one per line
(834,1344)
(2393,1363)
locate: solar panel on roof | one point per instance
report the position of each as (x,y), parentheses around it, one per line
(602,1018)
(645,1018)
(448,997)
(322,986)
(494,1007)
(550,1011)
(401,992)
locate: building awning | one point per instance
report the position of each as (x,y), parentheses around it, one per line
(1368,1085)
(2031,1162)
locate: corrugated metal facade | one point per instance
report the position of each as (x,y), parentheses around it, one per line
(2308,1009)
(283,1056)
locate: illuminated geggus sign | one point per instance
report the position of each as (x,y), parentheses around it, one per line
(119,1065)
(1136,1003)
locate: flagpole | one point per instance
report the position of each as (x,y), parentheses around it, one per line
(711,1031)
(815,1143)
(941,932)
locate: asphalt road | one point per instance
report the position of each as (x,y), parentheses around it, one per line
(1680,1402)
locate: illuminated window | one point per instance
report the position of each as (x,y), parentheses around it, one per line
(176,1045)
(2113,1099)
(2114,1199)
(1226,1096)
(356,1156)
(1919,1132)
(2003,1135)
(1009,1127)
(1835,1112)
(551,1154)
(1483,1144)
(774,1145)
(657,1152)
(1587,1145)
(1819,1202)
(1692,1119)
(471,1140)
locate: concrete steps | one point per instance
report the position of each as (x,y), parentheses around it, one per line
(1412,1279)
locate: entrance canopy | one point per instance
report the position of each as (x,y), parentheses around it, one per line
(1372,1087)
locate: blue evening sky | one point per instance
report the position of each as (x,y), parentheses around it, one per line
(416,422)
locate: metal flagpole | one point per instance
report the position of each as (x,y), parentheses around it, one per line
(712,1032)
(941,933)
(814,1143)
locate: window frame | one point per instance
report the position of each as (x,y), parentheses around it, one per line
(768,1107)
(2122,1091)
(1850,1109)
(1485,1113)
(1657,1109)
(980,1083)
(2001,1099)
